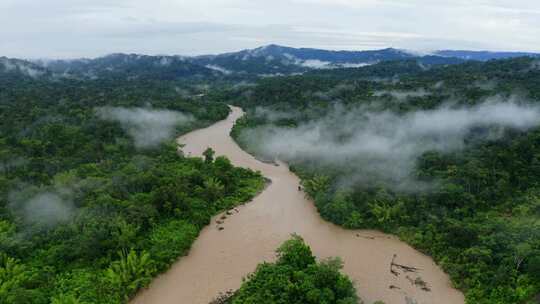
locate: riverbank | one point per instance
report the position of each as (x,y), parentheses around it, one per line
(382,266)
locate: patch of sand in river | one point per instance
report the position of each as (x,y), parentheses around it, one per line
(219,259)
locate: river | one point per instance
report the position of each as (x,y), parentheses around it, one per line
(219,259)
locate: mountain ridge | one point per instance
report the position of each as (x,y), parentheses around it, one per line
(268,60)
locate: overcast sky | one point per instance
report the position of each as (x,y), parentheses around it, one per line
(90,28)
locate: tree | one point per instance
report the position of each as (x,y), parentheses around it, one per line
(296,278)
(214,189)
(131,272)
(209,155)
(296,253)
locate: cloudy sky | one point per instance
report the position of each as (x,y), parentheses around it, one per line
(89,28)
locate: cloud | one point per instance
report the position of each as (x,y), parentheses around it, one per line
(334,92)
(147,127)
(165,61)
(43,208)
(315,64)
(269,75)
(182,92)
(487,85)
(30,71)
(92,28)
(10,65)
(219,69)
(319,64)
(372,146)
(402,95)
(52,205)
(273,116)
(353,65)
(439,85)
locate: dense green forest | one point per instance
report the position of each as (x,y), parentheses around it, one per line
(474,207)
(96,200)
(87,215)
(295,278)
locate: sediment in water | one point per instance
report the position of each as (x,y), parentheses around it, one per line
(219,260)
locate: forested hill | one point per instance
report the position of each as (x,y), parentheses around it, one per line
(276,59)
(262,62)
(15,69)
(94,198)
(130,66)
(266,61)
(484,55)
(445,157)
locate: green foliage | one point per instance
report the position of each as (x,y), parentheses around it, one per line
(295,253)
(296,278)
(480,219)
(149,205)
(65,299)
(16,282)
(171,240)
(131,272)
(209,155)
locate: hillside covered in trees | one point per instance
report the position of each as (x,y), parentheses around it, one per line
(446,157)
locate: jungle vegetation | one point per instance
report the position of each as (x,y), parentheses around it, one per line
(479,220)
(85,215)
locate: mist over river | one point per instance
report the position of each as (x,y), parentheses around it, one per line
(219,259)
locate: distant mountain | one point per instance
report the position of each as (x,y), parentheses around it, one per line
(483,55)
(335,57)
(129,66)
(270,60)
(22,68)
(275,59)
(262,61)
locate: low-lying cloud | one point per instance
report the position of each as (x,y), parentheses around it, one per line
(383,146)
(47,208)
(402,95)
(316,64)
(21,67)
(333,93)
(147,127)
(273,116)
(219,69)
(354,65)
(320,64)
(487,85)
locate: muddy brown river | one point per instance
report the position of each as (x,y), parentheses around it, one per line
(219,259)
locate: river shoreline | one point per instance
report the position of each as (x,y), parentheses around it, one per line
(382,266)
